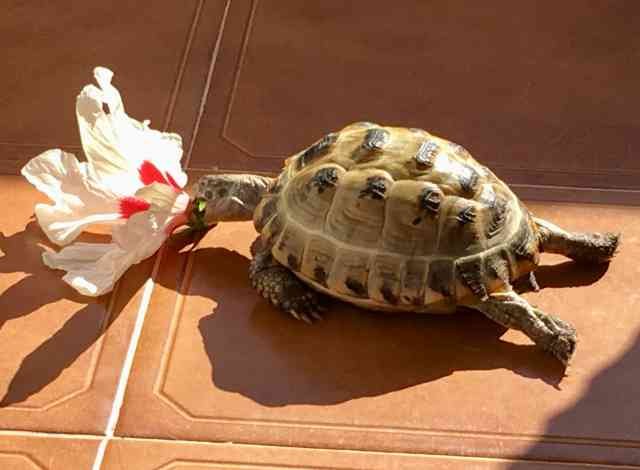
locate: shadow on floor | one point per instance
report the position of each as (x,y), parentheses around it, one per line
(251,346)
(41,287)
(264,355)
(609,408)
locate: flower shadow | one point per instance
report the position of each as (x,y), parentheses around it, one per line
(22,252)
(40,287)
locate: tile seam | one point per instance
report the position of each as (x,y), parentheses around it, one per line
(126,370)
(18,433)
(127,366)
(173,98)
(248,31)
(39,144)
(54,435)
(207,85)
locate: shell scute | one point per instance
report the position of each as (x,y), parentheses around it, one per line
(396,217)
(441,286)
(352,217)
(319,259)
(409,227)
(310,195)
(414,282)
(459,228)
(318,149)
(289,247)
(384,278)
(351,272)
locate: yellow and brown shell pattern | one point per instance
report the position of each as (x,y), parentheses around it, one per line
(391,218)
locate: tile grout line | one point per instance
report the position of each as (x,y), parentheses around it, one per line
(183,65)
(126,367)
(147,439)
(207,84)
(148,288)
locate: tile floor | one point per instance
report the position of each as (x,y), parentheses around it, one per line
(220,380)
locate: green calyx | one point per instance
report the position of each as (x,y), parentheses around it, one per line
(196,219)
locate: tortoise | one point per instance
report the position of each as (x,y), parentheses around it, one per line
(396,219)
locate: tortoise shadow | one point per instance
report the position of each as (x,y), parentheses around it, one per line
(351,354)
(262,354)
(569,274)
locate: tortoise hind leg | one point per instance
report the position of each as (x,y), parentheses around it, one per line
(546,331)
(281,287)
(589,247)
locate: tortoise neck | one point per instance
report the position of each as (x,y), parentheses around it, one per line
(252,190)
(244,193)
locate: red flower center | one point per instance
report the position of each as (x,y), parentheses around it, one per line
(149,173)
(130,205)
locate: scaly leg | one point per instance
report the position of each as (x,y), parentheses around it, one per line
(589,247)
(548,332)
(281,287)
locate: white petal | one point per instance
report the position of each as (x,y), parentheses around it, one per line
(117,145)
(153,222)
(79,200)
(160,196)
(111,95)
(94,268)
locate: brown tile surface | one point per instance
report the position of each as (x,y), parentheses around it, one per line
(51,61)
(62,352)
(157,455)
(547,99)
(29,452)
(217,363)
(544,92)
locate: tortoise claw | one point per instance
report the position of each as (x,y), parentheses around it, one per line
(295,314)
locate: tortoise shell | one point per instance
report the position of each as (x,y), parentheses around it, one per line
(391,218)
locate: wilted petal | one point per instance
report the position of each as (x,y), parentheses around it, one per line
(159,195)
(94,268)
(132,179)
(123,152)
(79,200)
(166,206)
(80,260)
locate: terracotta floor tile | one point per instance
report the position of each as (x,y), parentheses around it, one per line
(150,50)
(159,455)
(62,353)
(30,452)
(536,103)
(217,363)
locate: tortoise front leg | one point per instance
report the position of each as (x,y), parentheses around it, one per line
(546,331)
(282,288)
(589,247)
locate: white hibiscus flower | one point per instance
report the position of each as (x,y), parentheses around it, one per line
(132,179)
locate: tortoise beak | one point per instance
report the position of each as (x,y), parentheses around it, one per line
(195,213)
(196,229)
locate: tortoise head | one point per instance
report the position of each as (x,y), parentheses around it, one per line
(225,197)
